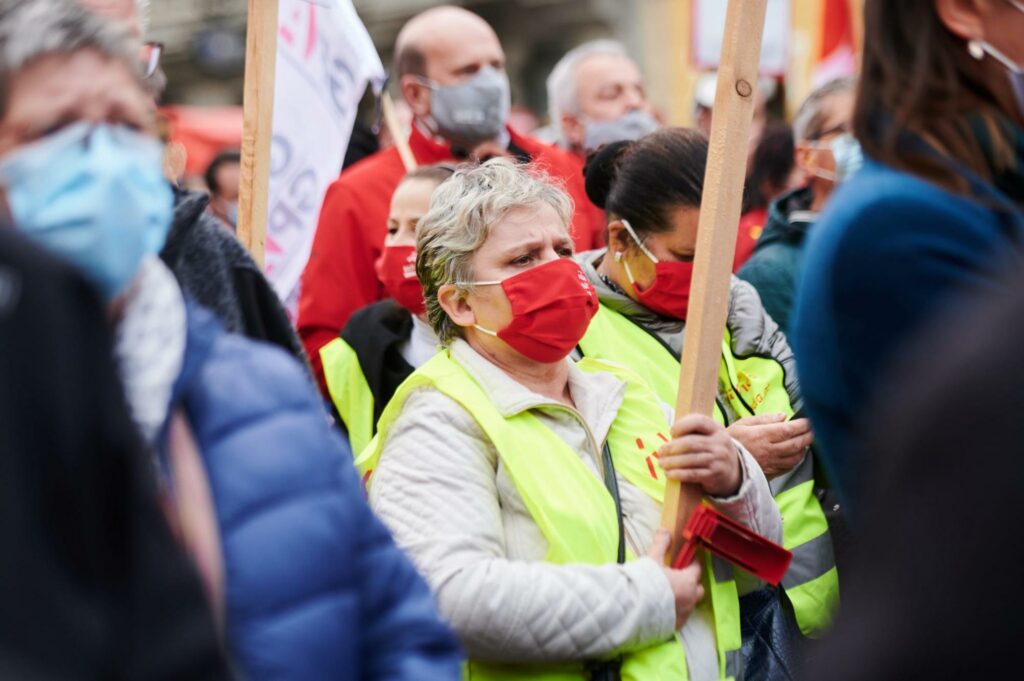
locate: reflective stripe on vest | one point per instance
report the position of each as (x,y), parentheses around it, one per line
(581,527)
(349,391)
(750,386)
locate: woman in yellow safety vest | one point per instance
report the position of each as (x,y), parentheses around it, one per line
(384,342)
(651,192)
(528,488)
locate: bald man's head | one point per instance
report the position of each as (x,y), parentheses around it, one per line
(446,44)
(443,46)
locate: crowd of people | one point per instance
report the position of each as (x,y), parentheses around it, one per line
(455,463)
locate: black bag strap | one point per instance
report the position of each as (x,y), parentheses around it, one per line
(610,670)
(612,483)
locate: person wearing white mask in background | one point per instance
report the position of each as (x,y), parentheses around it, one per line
(827,154)
(596,96)
(223,178)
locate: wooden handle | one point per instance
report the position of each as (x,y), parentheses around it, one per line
(258,125)
(398,135)
(716,236)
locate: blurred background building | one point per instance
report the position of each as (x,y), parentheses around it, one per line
(205,42)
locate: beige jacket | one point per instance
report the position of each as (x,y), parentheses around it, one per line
(443,491)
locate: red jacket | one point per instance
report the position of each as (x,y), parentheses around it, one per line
(340,279)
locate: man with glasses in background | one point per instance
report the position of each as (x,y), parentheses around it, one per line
(827,154)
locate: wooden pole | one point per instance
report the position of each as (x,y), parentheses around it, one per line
(398,135)
(716,235)
(258,122)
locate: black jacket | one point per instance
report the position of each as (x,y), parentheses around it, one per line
(92,584)
(218,273)
(376,333)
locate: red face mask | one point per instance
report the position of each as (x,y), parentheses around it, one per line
(552,305)
(669,295)
(396,269)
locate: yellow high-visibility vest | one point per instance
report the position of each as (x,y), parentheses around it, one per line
(750,386)
(581,527)
(349,391)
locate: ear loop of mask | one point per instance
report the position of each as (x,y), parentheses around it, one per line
(481,283)
(979,48)
(818,172)
(643,249)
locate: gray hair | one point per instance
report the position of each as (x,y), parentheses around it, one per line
(33,29)
(463,209)
(810,117)
(563,90)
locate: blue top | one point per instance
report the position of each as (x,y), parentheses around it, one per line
(889,253)
(315,586)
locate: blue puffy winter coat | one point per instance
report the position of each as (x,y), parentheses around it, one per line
(315,588)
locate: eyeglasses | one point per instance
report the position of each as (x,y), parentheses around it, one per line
(151,53)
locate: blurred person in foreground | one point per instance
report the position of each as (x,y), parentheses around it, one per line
(223,178)
(936,209)
(93,584)
(450,67)
(827,154)
(652,190)
(525,485)
(772,172)
(313,586)
(941,492)
(209,262)
(596,96)
(383,343)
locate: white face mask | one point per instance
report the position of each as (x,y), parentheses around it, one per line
(628,127)
(848,156)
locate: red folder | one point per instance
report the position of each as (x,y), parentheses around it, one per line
(732,542)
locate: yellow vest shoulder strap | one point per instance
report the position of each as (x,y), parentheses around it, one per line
(350,393)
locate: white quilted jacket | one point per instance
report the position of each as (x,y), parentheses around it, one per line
(443,491)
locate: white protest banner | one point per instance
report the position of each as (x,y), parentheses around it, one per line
(325,59)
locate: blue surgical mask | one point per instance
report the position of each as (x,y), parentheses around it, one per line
(94,194)
(471,112)
(626,128)
(847,154)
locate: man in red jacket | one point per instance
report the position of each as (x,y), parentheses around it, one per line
(451,69)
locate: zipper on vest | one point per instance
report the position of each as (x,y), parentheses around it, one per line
(595,450)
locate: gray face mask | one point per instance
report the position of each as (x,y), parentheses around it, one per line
(471,112)
(626,128)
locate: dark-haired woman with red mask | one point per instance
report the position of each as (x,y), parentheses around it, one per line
(385,342)
(651,191)
(528,488)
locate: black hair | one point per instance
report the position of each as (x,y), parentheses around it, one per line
(646,180)
(223,158)
(773,163)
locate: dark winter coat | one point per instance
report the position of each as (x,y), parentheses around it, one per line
(92,583)
(315,586)
(774,267)
(890,253)
(218,273)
